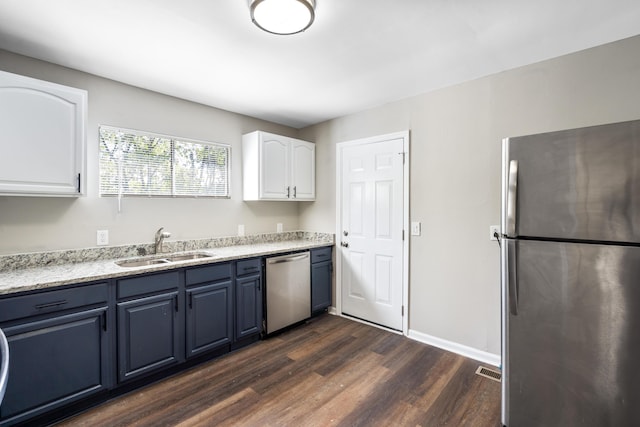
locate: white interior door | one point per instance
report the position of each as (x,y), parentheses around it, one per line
(370,235)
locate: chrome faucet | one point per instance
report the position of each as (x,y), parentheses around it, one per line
(160,236)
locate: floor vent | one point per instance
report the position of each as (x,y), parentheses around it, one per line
(489,373)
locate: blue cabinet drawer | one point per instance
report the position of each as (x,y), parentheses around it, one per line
(55,360)
(208,273)
(248,266)
(321,254)
(18,307)
(150,283)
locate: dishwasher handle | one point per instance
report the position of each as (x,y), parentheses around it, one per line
(292,258)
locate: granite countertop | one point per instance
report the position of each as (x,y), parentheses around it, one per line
(28,276)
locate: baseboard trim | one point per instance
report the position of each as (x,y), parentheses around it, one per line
(463,350)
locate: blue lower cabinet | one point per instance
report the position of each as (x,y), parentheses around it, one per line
(248,289)
(54,361)
(248,306)
(321,279)
(149,335)
(209,317)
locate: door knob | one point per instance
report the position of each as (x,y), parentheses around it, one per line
(344,244)
(345,232)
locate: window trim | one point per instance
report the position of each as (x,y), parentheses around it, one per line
(172,138)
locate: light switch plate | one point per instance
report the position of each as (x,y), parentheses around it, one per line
(415,228)
(102,237)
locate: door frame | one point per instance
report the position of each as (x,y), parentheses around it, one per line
(404,135)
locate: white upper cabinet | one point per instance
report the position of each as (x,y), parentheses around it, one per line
(277,167)
(303,170)
(42,137)
(274,152)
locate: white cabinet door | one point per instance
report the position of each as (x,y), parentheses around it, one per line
(303,170)
(274,167)
(42,137)
(277,167)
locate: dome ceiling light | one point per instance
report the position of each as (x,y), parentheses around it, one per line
(283,17)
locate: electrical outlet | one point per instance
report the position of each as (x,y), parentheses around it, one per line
(102,237)
(415,228)
(241,230)
(279,227)
(493,229)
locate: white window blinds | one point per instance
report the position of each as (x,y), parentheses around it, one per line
(135,163)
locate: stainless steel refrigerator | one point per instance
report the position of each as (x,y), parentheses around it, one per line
(570,256)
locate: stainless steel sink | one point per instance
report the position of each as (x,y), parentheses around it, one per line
(165,260)
(141,262)
(187,257)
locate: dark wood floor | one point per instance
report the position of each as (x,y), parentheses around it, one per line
(330,371)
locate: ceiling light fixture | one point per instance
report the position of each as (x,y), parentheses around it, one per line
(283,17)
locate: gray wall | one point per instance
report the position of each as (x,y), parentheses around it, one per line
(30,224)
(456,138)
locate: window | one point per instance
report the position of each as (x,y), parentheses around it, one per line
(135,163)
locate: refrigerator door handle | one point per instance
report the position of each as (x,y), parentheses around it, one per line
(512,195)
(512,277)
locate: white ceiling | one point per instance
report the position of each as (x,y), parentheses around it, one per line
(357,55)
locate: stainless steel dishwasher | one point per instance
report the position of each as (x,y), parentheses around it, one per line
(288,290)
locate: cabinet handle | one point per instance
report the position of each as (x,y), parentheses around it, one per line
(175,299)
(288,192)
(250,268)
(295,191)
(104,321)
(51,304)
(191,300)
